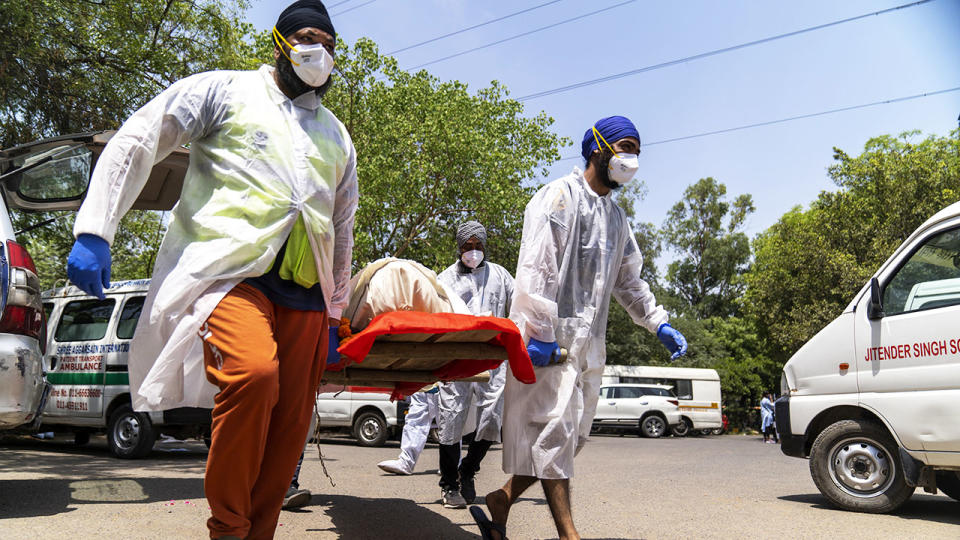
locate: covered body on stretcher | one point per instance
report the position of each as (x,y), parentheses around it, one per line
(409,331)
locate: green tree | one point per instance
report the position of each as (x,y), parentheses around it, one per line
(431,155)
(76,66)
(706,231)
(810,263)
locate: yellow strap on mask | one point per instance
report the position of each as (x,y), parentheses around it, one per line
(596,133)
(276,35)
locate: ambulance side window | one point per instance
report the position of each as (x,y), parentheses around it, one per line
(128,317)
(84,320)
(929,279)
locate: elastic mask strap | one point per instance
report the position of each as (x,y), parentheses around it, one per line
(596,133)
(276,35)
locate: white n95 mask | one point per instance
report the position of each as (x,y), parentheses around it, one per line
(472,258)
(622,169)
(312,63)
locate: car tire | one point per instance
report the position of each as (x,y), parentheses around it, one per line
(370,429)
(653,426)
(856,466)
(949,483)
(81,438)
(130,435)
(680,430)
(717,431)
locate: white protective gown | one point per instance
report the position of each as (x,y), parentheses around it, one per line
(577,249)
(259,162)
(416,427)
(486,290)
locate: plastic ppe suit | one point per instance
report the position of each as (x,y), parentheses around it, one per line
(486,290)
(766,414)
(262,168)
(416,427)
(576,251)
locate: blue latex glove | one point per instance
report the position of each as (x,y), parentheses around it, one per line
(88,265)
(541,353)
(333,356)
(672,340)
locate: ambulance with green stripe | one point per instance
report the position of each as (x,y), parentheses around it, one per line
(88,342)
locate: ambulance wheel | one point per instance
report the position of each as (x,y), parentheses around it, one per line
(370,429)
(653,426)
(680,430)
(81,438)
(130,434)
(949,483)
(856,466)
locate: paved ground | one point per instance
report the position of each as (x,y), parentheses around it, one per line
(625,487)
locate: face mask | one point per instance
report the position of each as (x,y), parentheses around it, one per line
(621,169)
(312,63)
(472,258)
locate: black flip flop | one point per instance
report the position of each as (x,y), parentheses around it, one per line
(486,526)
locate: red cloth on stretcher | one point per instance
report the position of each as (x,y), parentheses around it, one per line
(415,322)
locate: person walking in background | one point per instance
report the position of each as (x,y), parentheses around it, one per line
(416,429)
(767,416)
(486,288)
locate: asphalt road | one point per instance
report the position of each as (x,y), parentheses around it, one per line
(625,487)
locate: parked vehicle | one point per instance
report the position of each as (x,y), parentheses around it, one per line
(872,399)
(50,174)
(650,409)
(369,416)
(86,365)
(698,391)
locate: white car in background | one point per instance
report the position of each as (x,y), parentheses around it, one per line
(651,409)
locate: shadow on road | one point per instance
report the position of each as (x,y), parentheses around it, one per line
(47,497)
(919,507)
(358,517)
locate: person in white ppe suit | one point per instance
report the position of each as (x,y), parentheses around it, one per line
(253,272)
(423,409)
(577,250)
(486,288)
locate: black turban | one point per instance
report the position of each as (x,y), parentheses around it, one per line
(305,14)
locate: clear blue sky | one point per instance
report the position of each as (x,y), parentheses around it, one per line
(902,53)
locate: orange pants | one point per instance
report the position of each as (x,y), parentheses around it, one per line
(267,361)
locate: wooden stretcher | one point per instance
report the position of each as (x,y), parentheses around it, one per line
(400,360)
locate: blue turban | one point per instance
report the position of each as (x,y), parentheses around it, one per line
(613,128)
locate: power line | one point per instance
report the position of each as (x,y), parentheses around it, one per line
(491,44)
(339,4)
(712,53)
(491,21)
(792,118)
(367,3)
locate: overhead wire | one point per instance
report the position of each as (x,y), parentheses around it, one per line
(339,4)
(474,27)
(527,33)
(367,3)
(791,118)
(715,52)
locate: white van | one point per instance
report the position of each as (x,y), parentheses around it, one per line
(698,391)
(45,175)
(872,400)
(86,365)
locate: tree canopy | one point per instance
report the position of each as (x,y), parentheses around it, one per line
(432,155)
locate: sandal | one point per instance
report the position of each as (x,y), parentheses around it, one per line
(487,526)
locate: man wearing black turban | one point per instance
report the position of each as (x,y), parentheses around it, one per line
(253,273)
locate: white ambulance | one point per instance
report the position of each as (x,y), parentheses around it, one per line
(86,366)
(873,400)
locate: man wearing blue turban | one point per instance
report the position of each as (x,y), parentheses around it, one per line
(577,251)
